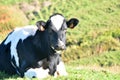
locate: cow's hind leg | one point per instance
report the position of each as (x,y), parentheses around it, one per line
(5,64)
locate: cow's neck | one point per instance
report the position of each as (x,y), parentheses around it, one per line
(41,43)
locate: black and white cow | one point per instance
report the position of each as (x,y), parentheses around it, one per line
(25,47)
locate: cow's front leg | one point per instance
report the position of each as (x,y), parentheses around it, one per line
(61,71)
(37,73)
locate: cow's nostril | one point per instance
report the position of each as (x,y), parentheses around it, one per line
(63,47)
(56,47)
(60,47)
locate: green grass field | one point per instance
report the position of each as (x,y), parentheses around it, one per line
(84,69)
(93,47)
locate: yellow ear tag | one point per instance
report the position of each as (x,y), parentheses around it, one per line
(71,26)
(42,28)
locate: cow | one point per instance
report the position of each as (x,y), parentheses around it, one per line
(25,47)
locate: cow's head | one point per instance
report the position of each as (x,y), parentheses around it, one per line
(56,27)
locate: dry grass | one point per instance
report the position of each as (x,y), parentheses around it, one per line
(10,17)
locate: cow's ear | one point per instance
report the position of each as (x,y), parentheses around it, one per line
(41,25)
(72,23)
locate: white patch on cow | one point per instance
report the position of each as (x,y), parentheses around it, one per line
(61,71)
(19,33)
(57,21)
(60,42)
(15,68)
(37,72)
(58,51)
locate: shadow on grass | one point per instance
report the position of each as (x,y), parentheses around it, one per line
(3,76)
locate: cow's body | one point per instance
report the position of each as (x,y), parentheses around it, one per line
(25,47)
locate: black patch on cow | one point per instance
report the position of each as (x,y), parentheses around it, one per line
(53,61)
(50,63)
(5,59)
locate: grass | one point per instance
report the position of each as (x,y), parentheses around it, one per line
(9,18)
(12,2)
(75,73)
(97,67)
(106,59)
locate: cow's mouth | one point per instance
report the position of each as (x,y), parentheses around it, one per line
(57,51)
(58,48)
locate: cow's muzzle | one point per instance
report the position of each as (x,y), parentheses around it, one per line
(60,45)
